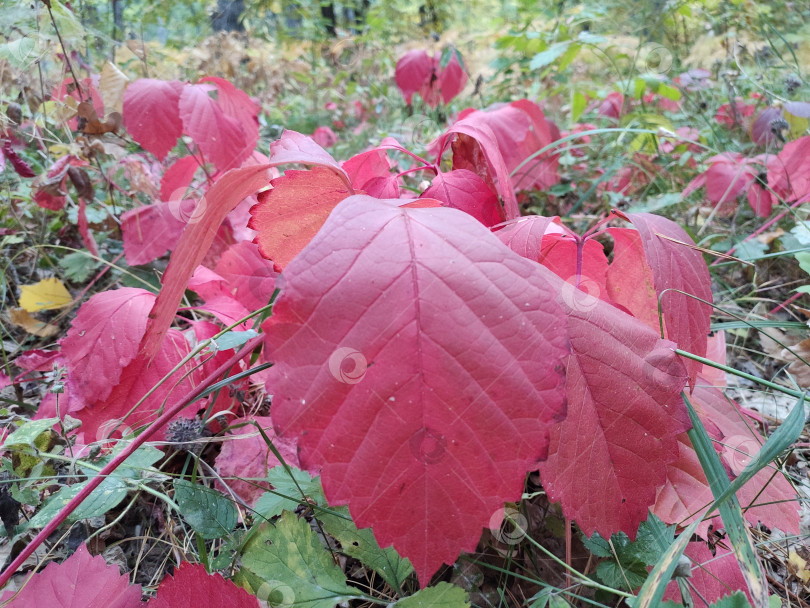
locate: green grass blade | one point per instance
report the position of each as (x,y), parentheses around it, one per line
(730,511)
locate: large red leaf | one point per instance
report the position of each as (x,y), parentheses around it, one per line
(676,266)
(464,190)
(609,457)
(103,339)
(219,136)
(190,586)
(290,214)
(151,114)
(452,79)
(81,581)
(419,362)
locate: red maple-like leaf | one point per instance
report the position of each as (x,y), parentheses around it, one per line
(288,216)
(50,188)
(413,70)
(452,78)
(81,581)
(524,236)
(245,455)
(385,338)
(103,339)
(729,175)
(370,172)
(152,115)
(239,106)
(250,277)
(190,586)
(464,190)
(293,147)
(22,168)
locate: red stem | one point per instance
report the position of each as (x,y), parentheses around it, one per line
(126,453)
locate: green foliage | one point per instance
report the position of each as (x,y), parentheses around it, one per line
(208,511)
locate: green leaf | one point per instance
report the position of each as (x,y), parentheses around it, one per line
(735,600)
(106,496)
(28,432)
(78,266)
(232,339)
(548,56)
(443,595)
(652,591)
(210,513)
(287,563)
(803,257)
(578,104)
(653,539)
(750,250)
(361,545)
(669,92)
(622,576)
(286,494)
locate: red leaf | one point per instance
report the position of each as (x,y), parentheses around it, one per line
(81,581)
(250,458)
(413,70)
(223,196)
(177,179)
(152,115)
(678,266)
(293,147)
(251,279)
(220,137)
(22,168)
(630,282)
(525,235)
(151,230)
(713,576)
(483,134)
(294,210)
(190,586)
(464,190)
(608,458)
(103,339)
(239,106)
(102,417)
(520,130)
(384,340)
(789,171)
(451,79)
(370,172)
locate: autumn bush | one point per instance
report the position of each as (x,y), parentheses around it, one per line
(427,323)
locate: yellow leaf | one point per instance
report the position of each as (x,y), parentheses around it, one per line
(798,567)
(22,318)
(111,87)
(45,295)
